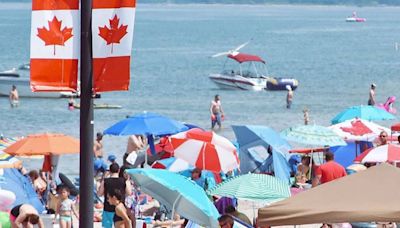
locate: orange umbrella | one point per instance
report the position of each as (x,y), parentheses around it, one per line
(44,144)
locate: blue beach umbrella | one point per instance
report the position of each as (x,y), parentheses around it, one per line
(253,143)
(366,112)
(22,187)
(177,193)
(147,123)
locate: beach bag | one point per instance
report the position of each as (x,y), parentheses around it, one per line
(131,158)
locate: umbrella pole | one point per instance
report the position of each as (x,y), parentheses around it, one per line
(356,142)
(204,156)
(310,166)
(150,142)
(173,209)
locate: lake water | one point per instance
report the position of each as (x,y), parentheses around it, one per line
(334,61)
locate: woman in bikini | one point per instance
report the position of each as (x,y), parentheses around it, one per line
(121,218)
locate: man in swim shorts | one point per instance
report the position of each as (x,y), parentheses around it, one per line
(216,112)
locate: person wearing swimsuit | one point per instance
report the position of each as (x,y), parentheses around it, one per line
(65,208)
(121,218)
(25,215)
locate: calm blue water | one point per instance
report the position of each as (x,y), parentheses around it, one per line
(334,61)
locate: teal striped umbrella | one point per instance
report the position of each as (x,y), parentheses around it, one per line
(313,135)
(256,187)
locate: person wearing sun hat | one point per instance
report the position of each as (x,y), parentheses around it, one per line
(111,158)
(371,100)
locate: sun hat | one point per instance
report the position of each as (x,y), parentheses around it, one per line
(111,158)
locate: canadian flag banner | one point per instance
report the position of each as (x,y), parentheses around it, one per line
(55,45)
(112,32)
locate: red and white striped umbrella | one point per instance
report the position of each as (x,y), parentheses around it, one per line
(384,153)
(358,130)
(205,150)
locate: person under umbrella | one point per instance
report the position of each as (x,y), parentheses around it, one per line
(328,171)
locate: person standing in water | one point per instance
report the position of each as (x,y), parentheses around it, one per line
(371,100)
(289,96)
(98,146)
(71,103)
(306,116)
(216,112)
(14,97)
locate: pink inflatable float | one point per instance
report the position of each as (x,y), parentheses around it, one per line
(7,198)
(388,105)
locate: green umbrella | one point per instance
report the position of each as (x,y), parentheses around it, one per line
(256,187)
(313,135)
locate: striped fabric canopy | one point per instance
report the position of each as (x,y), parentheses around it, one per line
(8,161)
(313,135)
(384,153)
(5,142)
(205,150)
(256,187)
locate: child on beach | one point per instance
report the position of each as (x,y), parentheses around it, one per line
(306,116)
(65,208)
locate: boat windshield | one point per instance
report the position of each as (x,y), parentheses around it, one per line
(249,74)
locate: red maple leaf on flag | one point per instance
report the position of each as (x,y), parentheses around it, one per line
(54,35)
(114,34)
(357,128)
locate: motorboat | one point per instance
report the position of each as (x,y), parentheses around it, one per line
(10,73)
(355,18)
(20,78)
(245,78)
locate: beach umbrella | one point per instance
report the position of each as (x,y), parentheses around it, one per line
(395,127)
(253,143)
(178,193)
(6,142)
(356,167)
(172,164)
(384,153)
(164,145)
(366,112)
(312,135)
(205,150)
(251,186)
(146,123)
(358,130)
(8,161)
(44,144)
(249,135)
